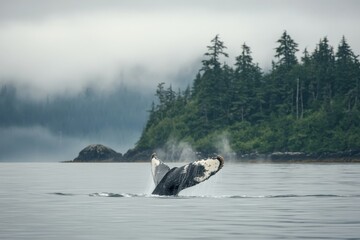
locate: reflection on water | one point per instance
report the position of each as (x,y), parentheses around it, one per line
(243,201)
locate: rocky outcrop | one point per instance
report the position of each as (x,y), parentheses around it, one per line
(98,153)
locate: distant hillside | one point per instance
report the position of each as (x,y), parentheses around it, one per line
(309,104)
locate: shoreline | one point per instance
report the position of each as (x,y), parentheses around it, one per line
(351,156)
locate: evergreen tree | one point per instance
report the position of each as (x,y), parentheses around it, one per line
(306,77)
(346,81)
(283,77)
(161,95)
(170,101)
(209,90)
(246,98)
(215,51)
(324,70)
(286,51)
(187,94)
(224,96)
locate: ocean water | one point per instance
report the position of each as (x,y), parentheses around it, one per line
(243,201)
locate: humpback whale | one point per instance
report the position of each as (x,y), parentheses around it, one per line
(170,182)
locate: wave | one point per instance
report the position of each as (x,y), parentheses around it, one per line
(131,195)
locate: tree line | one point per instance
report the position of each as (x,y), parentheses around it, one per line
(309,104)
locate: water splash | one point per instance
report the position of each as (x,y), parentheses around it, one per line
(224,148)
(177,151)
(187,153)
(106,194)
(150,184)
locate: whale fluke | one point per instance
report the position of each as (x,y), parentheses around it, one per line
(158,169)
(172,181)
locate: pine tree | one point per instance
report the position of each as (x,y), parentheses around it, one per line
(161,95)
(224,94)
(346,74)
(246,98)
(283,78)
(306,77)
(215,51)
(286,51)
(209,86)
(170,98)
(324,67)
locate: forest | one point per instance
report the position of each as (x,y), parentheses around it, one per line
(308,105)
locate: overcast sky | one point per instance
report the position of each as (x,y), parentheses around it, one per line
(52,46)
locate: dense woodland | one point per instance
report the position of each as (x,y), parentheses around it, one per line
(309,104)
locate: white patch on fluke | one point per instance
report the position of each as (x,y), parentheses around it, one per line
(158,169)
(211,166)
(185,168)
(154,163)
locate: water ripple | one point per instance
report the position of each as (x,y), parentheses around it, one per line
(131,195)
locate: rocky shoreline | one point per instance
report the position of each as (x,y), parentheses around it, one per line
(101,153)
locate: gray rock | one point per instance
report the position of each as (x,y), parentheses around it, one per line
(98,153)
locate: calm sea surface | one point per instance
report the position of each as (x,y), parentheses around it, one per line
(243,201)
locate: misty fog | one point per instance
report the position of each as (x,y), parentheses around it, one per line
(58,127)
(36,144)
(79,72)
(53,46)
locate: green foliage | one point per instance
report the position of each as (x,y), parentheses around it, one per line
(286,51)
(308,106)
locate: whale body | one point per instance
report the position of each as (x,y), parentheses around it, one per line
(170,182)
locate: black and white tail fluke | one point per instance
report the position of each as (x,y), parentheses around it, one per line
(158,169)
(171,182)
